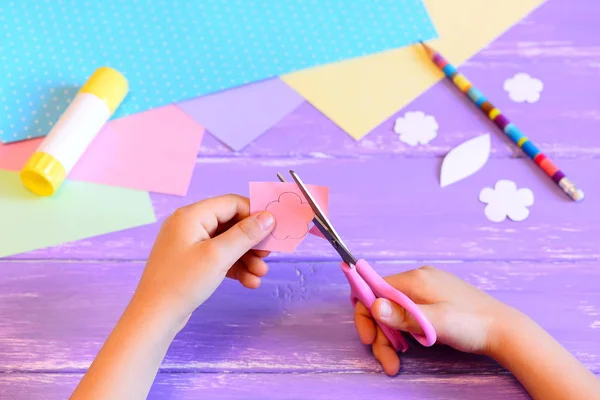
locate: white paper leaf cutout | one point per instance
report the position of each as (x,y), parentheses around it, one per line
(505,200)
(465,159)
(523,88)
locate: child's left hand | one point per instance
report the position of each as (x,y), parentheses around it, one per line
(196,248)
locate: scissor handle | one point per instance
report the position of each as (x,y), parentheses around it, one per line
(360,291)
(367,285)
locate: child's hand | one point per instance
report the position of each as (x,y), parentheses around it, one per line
(463,316)
(196,248)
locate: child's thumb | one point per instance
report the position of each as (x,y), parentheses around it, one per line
(241,237)
(394,316)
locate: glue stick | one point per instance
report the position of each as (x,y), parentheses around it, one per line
(77,127)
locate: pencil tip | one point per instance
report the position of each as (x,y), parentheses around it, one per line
(430,52)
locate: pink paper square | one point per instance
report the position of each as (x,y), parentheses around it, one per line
(292,212)
(152,151)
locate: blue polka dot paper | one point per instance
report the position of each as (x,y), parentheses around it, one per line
(176,50)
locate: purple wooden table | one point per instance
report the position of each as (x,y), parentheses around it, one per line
(294,337)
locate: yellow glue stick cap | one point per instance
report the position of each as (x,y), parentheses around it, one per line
(107,84)
(43,174)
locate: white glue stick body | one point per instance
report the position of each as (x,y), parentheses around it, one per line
(77,127)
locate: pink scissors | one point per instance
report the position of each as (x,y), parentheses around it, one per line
(366,285)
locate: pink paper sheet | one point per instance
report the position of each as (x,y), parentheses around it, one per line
(292,213)
(152,151)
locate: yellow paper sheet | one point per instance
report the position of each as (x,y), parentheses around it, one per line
(360,94)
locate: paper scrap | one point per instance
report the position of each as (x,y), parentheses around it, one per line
(315,231)
(79,210)
(175,50)
(292,212)
(240,115)
(465,159)
(360,94)
(151,151)
(416,128)
(523,88)
(506,201)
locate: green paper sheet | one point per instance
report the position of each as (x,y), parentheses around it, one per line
(78,210)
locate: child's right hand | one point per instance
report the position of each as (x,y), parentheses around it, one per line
(463,316)
(470,320)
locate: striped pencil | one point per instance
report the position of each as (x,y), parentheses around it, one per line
(461,82)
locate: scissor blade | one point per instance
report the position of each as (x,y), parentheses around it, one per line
(323,224)
(311,201)
(339,246)
(327,234)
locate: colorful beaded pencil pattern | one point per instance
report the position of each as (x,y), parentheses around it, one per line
(510,129)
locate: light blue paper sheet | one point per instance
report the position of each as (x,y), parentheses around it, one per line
(176,50)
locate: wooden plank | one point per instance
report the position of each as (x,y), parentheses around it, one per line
(394,208)
(282,386)
(54,316)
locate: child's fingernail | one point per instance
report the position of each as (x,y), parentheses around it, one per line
(266,220)
(385,310)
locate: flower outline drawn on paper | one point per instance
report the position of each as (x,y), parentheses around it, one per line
(523,88)
(416,128)
(292,216)
(505,200)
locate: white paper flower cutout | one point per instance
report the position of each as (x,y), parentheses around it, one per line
(523,88)
(416,128)
(506,201)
